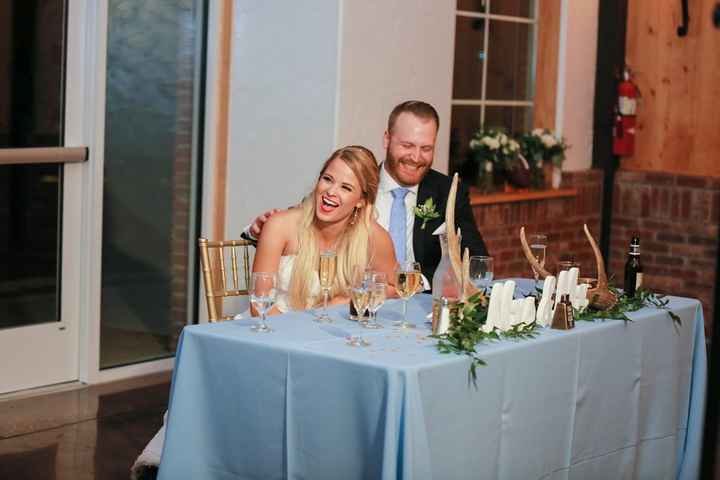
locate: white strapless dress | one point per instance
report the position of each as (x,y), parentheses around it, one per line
(284,274)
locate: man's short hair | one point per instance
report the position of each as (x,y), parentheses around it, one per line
(420,109)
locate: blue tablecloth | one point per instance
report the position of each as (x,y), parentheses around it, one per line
(606,400)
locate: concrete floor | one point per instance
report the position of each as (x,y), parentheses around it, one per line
(79,432)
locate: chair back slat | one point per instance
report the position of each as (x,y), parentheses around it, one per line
(234,264)
(215,273)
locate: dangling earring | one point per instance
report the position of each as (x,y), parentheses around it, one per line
(354,216)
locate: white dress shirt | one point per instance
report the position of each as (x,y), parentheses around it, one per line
(383,205)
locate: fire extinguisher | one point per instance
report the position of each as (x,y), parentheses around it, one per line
(625,119)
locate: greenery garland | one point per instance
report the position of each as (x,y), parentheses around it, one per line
(466,333)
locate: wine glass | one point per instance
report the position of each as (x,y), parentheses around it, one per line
(360,290)
(538,247)
(481,271)
(328,264)
(378,294)
(263,292)
(408,281)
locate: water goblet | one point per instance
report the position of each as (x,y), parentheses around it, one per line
(408,281)
(328,265)
(378,294)
(263,292)
(481,271)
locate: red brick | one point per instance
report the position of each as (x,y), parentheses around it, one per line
(665,236)
(692,182)
(658,178)
(698,240)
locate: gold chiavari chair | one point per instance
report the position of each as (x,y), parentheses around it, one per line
(215,274)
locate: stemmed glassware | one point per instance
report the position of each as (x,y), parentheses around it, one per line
(408,281)
(378,294)
(263,292)
(481,271)
(538,247)
(328,265)
(360,290)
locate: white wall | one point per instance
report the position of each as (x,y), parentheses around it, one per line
(282,103)
(391,51)
(578,85)
(309,76)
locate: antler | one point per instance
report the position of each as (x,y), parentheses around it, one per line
(600,297)
(530,257)
(461,266)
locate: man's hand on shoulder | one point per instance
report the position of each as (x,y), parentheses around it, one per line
(259,223)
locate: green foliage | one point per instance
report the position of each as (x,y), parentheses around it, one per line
(465,332)
(643,298)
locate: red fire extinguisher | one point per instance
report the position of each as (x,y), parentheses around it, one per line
(625,119)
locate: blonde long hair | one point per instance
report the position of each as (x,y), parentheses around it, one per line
(353,248)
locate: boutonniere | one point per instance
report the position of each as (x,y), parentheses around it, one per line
(426,212)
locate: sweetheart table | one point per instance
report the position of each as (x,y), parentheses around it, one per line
(608,399)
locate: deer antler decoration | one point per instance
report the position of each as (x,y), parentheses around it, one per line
(461,265)
(530,257)
(600,297)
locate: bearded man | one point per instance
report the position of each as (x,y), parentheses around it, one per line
(407,181)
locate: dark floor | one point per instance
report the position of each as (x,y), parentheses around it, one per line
(80,432)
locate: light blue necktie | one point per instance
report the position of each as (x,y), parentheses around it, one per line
(398,222)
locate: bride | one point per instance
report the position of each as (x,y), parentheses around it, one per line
(338,215)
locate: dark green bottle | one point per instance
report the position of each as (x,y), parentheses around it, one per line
(633,269)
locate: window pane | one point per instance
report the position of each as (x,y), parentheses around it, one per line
(515,8)
(464,122)
(514,120)
(510,74)
(149,161)
(31,62)
(469,57)
(472,5)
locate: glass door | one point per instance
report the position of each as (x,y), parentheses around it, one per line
(37,345)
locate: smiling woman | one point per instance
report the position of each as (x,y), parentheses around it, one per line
(337,215)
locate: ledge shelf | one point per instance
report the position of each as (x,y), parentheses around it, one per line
(477,198)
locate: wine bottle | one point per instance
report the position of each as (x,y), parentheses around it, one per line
(633,269)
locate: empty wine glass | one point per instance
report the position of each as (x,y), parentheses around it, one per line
(538,247)
(360,282)
(481,271)
(263,293)
(328,264)
(378,294)
(408,281)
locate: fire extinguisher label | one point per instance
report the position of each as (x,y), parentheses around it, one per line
(627,106)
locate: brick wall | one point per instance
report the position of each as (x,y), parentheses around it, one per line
(676,217)
(182,190)
(560,218)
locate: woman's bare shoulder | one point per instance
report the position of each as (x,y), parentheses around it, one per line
(377,232)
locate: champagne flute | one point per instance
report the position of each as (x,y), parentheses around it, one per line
(263,292)
(408,281)
(328,264)
(538,247)
(481,271)
(378,294)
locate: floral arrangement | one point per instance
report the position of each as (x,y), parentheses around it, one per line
(543,145)
(495,153)
(495,147)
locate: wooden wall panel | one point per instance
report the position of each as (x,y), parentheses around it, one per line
(679,78)
(547,63)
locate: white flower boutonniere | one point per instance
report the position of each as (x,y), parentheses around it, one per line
(426,212)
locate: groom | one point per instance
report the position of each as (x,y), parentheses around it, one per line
(407,181)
